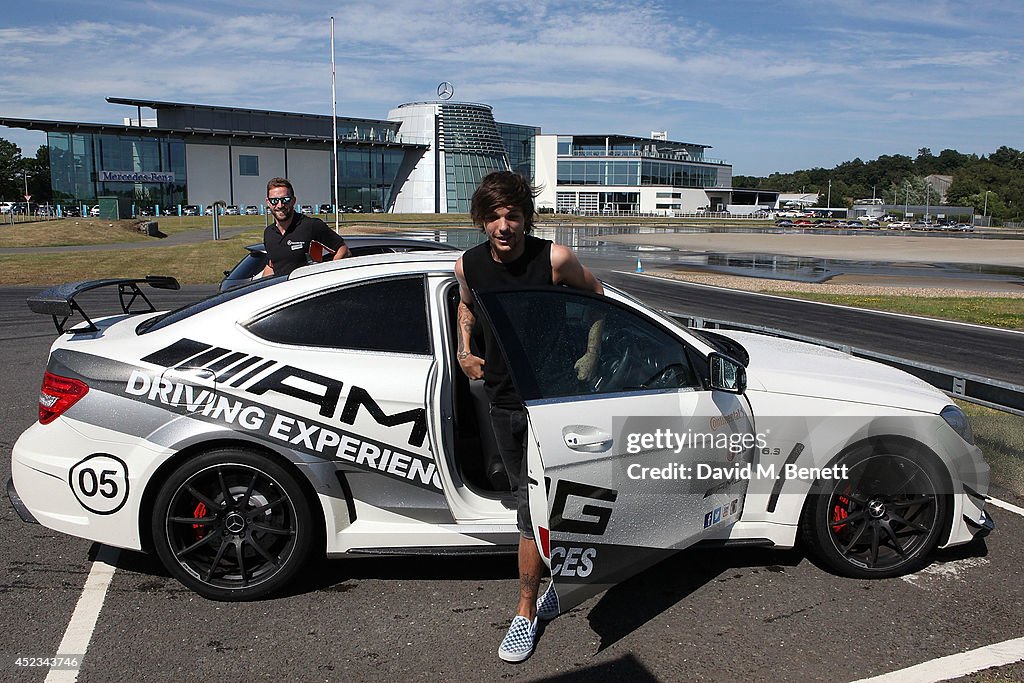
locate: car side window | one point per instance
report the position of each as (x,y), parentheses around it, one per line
(385,315)
(544,333)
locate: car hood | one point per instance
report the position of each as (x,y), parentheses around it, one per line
(800,369)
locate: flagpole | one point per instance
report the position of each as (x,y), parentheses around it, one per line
(334,120)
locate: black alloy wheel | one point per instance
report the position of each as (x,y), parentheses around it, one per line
(232,525)
(883,520)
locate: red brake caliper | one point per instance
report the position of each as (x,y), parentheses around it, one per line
(199,529)
(839,513)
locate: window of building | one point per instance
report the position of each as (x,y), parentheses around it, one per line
(340,319)
(248,164)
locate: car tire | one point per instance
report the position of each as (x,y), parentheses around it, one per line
(883,520)
(232,525)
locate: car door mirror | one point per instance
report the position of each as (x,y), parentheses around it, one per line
(727,374)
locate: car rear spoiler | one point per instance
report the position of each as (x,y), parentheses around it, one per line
(59,302)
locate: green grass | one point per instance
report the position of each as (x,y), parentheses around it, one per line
(992,311)
(1000,436)
(200,263)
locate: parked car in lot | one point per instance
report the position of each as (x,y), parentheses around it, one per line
(190,210)
(71,211)
(95,210)
(147,211)
(255,259)
(231,210)
(252,210)
(325,412)
(326,208)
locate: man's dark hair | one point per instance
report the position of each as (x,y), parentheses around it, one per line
(503,188)
(280,182)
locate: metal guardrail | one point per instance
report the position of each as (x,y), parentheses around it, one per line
(983,391)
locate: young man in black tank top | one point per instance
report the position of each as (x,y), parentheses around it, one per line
(503,208)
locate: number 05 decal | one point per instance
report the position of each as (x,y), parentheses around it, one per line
(100,483)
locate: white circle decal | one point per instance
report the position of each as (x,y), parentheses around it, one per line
(100,483)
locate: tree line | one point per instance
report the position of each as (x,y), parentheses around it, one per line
(996,179)
(13,166)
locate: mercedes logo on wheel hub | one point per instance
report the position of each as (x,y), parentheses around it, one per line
(234,523)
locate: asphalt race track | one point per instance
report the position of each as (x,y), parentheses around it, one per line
(703,615)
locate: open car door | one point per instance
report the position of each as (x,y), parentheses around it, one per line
(631,463)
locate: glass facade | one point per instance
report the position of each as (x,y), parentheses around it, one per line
(78,161)
(635,172)
(598,172)
(367,175)
(472,146)
(620,146)
(521,144)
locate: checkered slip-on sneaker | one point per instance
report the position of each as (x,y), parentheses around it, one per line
(547,604)
(518,643)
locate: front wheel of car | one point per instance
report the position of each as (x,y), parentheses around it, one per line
(883,519)
(232,525)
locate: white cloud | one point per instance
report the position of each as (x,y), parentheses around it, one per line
(716,73)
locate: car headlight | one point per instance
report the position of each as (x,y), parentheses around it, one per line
(956,419)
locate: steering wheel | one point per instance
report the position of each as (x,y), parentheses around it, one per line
(618,362)
(669,377)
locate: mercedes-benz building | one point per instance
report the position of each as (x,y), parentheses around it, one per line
(426,157)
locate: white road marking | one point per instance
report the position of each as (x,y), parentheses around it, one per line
(87,611)
(823,303)
(955,666)
(1006,506)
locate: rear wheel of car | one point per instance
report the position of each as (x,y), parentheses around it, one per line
(232,525)
(882,520)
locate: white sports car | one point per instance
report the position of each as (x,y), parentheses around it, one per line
(326,413)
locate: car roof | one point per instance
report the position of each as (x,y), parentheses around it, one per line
(429,260)
(376,241)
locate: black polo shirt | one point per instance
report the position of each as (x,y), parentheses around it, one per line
(291,250)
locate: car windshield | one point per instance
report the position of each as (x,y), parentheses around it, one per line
(171,317)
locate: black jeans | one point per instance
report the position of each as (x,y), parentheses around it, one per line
(509,427)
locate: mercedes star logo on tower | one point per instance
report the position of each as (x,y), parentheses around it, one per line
(445,90)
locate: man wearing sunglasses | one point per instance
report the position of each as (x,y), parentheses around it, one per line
(294,239)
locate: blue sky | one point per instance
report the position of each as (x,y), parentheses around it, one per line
(771,85)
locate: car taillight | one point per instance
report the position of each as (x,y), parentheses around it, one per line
(57,395)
